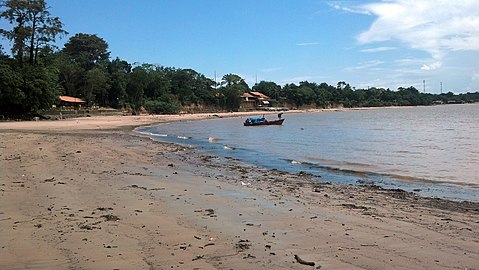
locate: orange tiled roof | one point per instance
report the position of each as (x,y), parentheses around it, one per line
(71,99)
(259,95)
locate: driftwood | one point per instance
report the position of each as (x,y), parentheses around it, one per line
(301,261)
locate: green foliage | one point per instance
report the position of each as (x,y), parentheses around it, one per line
(162,107)
(118,71)
(83,69)
(232,97)
(86,50)
(33,28)
(11,94)
(270,89)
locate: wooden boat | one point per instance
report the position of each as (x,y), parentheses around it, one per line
(261,121)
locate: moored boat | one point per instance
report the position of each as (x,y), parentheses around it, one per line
(261,121)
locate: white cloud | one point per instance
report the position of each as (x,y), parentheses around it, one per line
(298,79)
(433,66)
(378,49)
(308,44)
(365,65)
(434,26)
(475,76)
(349,9)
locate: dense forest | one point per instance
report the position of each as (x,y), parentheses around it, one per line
(35,73)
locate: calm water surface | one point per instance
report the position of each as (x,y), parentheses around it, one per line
(430,150)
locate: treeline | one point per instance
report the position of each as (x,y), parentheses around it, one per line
(37,72)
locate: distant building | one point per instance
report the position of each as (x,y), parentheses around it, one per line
(253,100)
(68,101)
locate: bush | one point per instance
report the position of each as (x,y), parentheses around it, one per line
(162,107)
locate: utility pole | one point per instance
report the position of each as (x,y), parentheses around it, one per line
(424,86)
(441,87)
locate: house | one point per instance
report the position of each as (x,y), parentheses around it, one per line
(253,100)
(71,101)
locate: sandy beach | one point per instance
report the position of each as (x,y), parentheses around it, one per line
(88,193)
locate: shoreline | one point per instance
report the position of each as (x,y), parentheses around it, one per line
(92,194)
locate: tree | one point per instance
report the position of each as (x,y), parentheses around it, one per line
(270,89)
(86,50)
(232,97)
(233,79)
(11,94)
(118,71)
(137,81)
(96,86)
(33,29)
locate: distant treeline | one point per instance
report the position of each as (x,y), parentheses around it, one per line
(37,72)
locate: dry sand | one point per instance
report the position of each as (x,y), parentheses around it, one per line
(88,193)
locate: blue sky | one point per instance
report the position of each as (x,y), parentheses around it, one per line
(376,43)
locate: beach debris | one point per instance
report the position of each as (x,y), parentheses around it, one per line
(245,184)
(49,180)
(198,257)
(110,217)
(243,245)
(136,186)
(86,227)
(301,261)
(353,206)
(207,212)
(249,256)
(160,188)
(212,139)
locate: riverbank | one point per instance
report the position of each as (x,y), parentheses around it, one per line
(88,193)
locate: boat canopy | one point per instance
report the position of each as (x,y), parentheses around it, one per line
(256,119)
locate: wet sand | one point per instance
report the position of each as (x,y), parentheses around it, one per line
(89,193)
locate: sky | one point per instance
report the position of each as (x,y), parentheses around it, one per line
(432,45)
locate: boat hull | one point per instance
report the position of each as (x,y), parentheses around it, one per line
(265,123)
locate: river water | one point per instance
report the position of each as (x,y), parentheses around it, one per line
(433,151)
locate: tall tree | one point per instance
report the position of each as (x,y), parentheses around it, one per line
(233,79)
(86,50)
(118,71)
(34,27)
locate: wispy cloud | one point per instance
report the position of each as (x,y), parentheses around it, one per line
(299,79)
(349,9)
(432,66)
(434,26)
(365,65)
(308,44)
(378,49)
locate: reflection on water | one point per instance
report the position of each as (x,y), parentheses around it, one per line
(438,144)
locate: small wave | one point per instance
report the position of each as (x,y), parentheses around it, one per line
(295,162)
(184,137)
(226,147)
(151,134)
